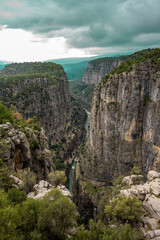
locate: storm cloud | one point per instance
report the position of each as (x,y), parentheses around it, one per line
(87,23)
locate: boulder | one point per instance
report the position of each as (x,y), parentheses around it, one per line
(133,179)
(150,222)
(44,187)
(152,175)
(17,180)
(152,206)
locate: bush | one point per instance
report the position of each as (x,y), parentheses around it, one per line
(34,144)
(5,114)
(122,232)
(124,209)
(6,181)
(16,196)
(135,171)
(57,177)
(57,216)
(17,116)
(28,180)
(95,231)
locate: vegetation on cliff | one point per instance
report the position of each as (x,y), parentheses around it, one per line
(18,73)
(31,68)
(152,55)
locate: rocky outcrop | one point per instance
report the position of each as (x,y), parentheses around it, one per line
(44,187)
(148,193)
(25,148)
(41,90)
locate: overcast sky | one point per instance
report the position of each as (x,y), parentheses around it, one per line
(46,29)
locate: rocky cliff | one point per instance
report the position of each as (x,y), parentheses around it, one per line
(100,67)
(41,90)
(125,123)
(26,147)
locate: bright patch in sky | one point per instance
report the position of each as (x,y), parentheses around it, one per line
(48,29)
(19,46)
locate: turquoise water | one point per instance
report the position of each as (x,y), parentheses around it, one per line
(71,176)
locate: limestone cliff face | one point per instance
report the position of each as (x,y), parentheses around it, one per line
(125,124)
(124,130)
(41,90)
(98,68)
(22,148)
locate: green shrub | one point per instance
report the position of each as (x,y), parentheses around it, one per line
(124,209)
(57,216)
(28,180)
(57,177)
(5,114)
(16,196)
(122,232)
(34,144)
(6,181)
(95,231)
(135,171)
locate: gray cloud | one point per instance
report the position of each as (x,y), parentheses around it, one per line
(88,23)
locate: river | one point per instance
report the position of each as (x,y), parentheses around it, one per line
(71,175)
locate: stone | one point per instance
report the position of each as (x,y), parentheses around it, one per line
(152,206)
(16,179)
(150,234)
(64,191)
(157,232)
(44,187)
(133,179)
(152,175)
(150,222)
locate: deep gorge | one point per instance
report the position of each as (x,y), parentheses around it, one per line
(122,140)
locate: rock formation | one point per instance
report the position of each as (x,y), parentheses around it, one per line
(148,193)
(25,148)
(124,127)
(43,187)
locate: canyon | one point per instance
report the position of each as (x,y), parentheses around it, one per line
(122,139)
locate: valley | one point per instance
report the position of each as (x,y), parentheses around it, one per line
(99,137)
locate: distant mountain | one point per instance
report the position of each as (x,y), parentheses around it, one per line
(75,67)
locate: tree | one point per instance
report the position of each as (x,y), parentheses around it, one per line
(57,216)
(7,218)
(5,114)
(122,232)
(5,180)
(124,209)
(57,177)
(28,180)
(16,196)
